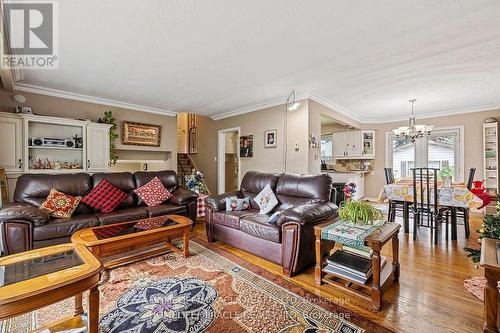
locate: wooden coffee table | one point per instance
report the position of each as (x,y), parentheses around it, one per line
(38,278)
(120,243)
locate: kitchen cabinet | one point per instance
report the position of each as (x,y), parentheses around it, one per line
(354,144)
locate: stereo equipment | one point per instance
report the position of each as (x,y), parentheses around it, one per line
(53,142)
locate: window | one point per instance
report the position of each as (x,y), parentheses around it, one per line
(326,148)
(443,146)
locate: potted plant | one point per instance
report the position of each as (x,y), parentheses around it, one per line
(489,229)
(446,173)
(361,212)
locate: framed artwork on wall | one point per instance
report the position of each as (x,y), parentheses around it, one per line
(270,138)
(246,146)
(138,134)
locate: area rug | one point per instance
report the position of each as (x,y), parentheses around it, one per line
(475,285)
(210,291)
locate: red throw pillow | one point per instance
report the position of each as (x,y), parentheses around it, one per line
(105,197)
(153,193)
(60,205)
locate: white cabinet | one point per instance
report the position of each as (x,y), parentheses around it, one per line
(11,141)
(97,147)
(354,145)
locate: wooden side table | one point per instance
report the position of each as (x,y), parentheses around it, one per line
(382,279)
(489,261)
(42,277)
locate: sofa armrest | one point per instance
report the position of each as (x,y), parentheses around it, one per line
(308,213)
(218,202)
(24,212)
(182,197)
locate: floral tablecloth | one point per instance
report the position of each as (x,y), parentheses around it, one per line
(456,196)
(200,205)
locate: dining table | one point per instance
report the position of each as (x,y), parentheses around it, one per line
(454,197)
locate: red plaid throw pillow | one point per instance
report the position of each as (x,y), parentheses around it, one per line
(153,193)
(105,197)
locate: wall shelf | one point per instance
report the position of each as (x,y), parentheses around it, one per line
(55,148)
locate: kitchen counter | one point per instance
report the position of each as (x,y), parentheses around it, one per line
(354,176)
(352,171)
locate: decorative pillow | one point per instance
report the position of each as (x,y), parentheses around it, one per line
(60,205)
(234,203)
(153,193)
(266,200)
(105,197)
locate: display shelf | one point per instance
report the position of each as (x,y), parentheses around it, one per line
(490,156)
(55,148)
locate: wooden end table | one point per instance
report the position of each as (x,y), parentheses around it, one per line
(117,244)
(381,279)
(491,265)
(38,278)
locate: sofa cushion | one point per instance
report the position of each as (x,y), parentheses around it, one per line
(105,197)
(257,225)
(266,200)
(165,209)
(34,189)
(124,181)
(293,190)
(122,215)
(60,205)
(231,219)
(167,177)
(153,193)
(254,182)
(57,228)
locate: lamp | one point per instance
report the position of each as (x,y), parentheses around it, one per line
(413,131)
(290,105)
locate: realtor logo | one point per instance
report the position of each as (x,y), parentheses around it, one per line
(31,33)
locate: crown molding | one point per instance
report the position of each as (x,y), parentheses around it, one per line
(334,106)
(90,99)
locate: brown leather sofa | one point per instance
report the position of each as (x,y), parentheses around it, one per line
(24,226)
(305,201)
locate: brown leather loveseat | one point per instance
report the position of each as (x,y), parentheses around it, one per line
(304,201)
(24,226)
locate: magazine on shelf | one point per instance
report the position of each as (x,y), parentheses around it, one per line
(353,264)
(345,274)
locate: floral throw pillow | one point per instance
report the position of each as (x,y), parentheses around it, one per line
(60,205)
(153,193)
(233,204)
(266,200)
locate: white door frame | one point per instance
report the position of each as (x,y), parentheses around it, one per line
(221,158)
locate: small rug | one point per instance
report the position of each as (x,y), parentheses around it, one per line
(475,285)
(210,291)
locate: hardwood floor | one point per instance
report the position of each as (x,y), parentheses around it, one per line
(430,296)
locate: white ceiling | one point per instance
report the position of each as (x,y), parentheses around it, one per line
(216,56)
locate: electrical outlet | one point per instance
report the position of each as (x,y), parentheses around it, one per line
(297,148)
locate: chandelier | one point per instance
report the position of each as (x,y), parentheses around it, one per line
(412,132)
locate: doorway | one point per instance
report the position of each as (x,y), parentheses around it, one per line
(228,157)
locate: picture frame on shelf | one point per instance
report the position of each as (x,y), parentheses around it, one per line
(139,134)
(246,146)
(271,138)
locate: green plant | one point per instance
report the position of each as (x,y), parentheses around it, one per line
(359,211)
(446,171)
(489,229)
(113,135)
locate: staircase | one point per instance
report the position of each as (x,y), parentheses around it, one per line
(184,168)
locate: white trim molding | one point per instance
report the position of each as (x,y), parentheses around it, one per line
(90,99)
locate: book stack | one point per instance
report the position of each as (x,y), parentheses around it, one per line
(356,267)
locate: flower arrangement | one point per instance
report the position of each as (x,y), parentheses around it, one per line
(446,171)
(349,189)
(196,182)
(489,229)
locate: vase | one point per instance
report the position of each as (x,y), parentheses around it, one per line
(446,181)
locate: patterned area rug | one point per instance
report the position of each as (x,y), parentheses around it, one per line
(211,291)
(475,285)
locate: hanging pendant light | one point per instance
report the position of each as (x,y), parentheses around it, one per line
(412,132)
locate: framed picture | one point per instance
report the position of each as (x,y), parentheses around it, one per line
(138,134)
(246,146)
(270,137)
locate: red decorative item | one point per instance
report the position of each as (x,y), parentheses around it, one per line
(105,197)
(153,193)
(60,205)
(478,187)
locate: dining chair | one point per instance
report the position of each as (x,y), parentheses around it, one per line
(426,210)
(462,212)
(394,205)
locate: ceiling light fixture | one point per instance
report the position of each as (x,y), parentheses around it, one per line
(412,131)
(291,104)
